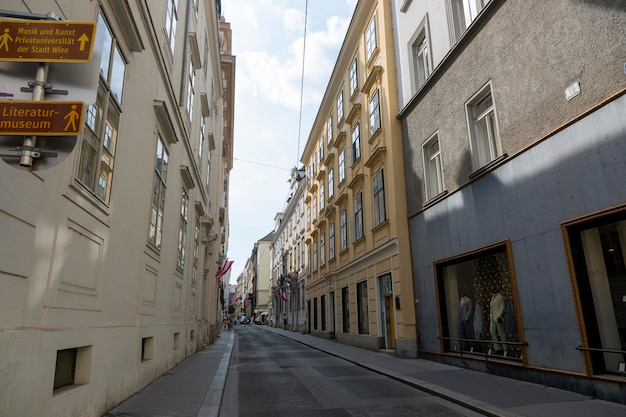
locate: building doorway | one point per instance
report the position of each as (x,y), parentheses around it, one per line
(386,311)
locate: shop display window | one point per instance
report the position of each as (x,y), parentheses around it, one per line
(477,304)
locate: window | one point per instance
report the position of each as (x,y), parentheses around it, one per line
(99,138)
(158,194)
(421,59)
(323,311)
(314,256)
(358,217)
(342,165)
(65,368)
(323,249)
(182,229)
(374,113)
(322,198)
(362,308)
(331,241)
(339,107)
(370,39)
(321,149)
(196,251)
(329,128)
(463,13)
(354,77)
(378,190)
(483,125)
(315,313)
(331,182)
(147,345)
(433,170)
(72,367)
(314,207)
(201,139)
(345,309)
(170,23)
(599,246)
(356,143)
(477,302)
(343,229)
(191,77)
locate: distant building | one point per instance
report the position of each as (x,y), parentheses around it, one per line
(288,260)
(515,147)
(358,287)
(108,258)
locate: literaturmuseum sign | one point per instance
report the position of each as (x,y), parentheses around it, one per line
(41,118)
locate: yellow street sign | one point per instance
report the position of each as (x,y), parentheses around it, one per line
(41,118)
(46,41)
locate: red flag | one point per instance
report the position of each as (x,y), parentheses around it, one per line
(225,268)
(283,296)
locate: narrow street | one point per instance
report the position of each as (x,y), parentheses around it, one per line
(270,375)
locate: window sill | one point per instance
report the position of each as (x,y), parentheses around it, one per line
(380,225)
(489,167)
(435,199)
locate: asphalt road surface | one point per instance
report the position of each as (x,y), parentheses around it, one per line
(272,376)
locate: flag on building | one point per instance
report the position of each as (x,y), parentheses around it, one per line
(283,296)
(224,269)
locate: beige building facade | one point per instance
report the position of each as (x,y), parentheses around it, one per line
(109,255)
(359,288)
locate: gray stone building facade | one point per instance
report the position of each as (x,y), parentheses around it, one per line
(515,154)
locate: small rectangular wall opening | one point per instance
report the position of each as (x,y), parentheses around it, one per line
(72,368)
(176,340)
(146,348)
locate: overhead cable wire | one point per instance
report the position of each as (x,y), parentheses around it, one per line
(306,9)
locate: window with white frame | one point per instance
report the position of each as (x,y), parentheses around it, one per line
(158,194)
(314,207)
(201,138)
(331,183)
(321,149)
(356,143)
(358,217)
(323,249)
(99,138)
(171,18)
(374,113)
(340,106)
(378,191)
(182,229)
(420,53)
(322,197)
(331,241)
(191,78)
(343,229)
(342,165)
(354,76)
(463,13)
(329,128)
(196,251)
(483,127)
(314,256)
(370,39)
(433,168)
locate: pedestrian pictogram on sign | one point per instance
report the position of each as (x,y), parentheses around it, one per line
(41,118)
(46,41)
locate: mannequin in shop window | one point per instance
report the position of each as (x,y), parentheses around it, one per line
(465,323)
(497,328)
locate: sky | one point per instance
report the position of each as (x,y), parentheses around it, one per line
(269,133)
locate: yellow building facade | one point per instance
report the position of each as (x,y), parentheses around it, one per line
(359,288)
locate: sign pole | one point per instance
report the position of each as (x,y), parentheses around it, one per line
(39,91)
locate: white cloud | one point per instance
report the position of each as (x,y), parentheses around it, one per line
(267,43)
